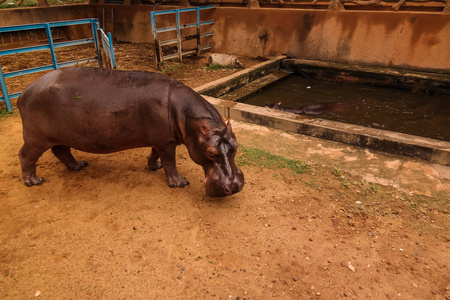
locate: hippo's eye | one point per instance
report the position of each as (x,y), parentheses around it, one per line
(212,152)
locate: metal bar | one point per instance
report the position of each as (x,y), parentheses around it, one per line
(198,31)
(78,61)
(25,49)
(43,25)
(45,47)
(12,96)
(94,26)
(190,25)
(165,29)
(72,22)
(184,38)
(113,59)
(170,56)
(174,55)
(5,91)
(158,52)
(112,29)
(159,55)
(168,42)
(107,47)
(73,43)
(171,11)
(28,71)
(52,47)
(180,56)
(206,34)
(21,27)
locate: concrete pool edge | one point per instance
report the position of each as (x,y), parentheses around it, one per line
(435,151)
(224,85)
(382,140)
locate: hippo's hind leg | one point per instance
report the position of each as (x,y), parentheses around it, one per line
(28,156)
(65,156)
(152,160)
(168,163)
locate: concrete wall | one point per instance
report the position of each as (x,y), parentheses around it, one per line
(21,16)
(419,41)
(409,40)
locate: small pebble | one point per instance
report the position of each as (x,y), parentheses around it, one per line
(295,279)
(351,267)
(37,294)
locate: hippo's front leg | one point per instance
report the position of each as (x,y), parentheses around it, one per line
(167,155)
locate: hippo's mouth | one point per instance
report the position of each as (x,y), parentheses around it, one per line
(225,187)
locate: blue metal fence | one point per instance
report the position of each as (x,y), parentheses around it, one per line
(158,44)
(108,49)
(107,45)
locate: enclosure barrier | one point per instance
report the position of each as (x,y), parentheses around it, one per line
(108,49)
(106,40)
(158,44)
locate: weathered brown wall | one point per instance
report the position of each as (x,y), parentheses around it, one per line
(394,39)
(411,40)
(131,23)
(21,16)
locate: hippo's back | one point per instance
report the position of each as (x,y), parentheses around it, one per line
(97,110)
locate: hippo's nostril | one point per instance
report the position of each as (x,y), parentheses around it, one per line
(227,191)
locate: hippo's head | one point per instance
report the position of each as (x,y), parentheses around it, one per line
(214,148)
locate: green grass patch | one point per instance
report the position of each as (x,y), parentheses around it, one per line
(174,67)
(214,67)
(260,158)
(4,113)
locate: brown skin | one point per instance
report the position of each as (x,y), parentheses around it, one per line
(103,111)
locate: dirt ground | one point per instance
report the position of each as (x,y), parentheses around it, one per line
(115,230)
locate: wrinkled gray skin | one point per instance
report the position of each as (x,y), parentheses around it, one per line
(103,111)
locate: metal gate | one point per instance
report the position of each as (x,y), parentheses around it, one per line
(106,40)
(179,39)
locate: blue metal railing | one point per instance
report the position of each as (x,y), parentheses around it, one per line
(158,44)
(106,40)
(108,49)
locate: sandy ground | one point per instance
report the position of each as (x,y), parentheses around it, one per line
(357,224)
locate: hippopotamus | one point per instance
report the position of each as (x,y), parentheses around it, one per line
(102,111)
(313,109)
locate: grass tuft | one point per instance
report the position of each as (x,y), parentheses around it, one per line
(260,158)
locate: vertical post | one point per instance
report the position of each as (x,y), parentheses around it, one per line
(158,51)
(5,91)
(112,22)
(180,51)
(104,18)
(51,45)
(94,25)
(113,59)
(198,31)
